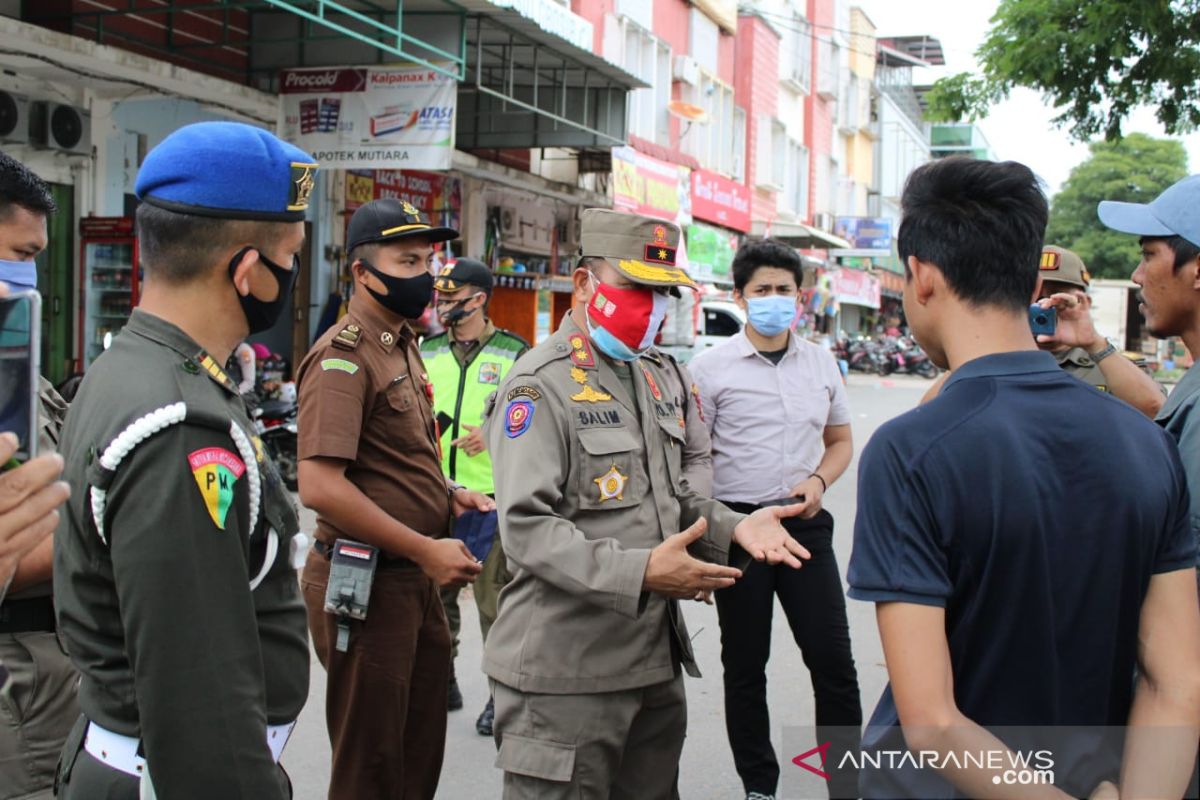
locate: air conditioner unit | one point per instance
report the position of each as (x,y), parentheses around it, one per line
(14,118)
(569,232)
(55,126)
(686,69)
(823,220)
(508,221)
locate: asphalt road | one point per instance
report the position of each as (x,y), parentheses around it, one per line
(706,770)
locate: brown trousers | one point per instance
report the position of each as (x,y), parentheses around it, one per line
(385,703)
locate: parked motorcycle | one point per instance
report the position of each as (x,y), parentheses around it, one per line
(275,424)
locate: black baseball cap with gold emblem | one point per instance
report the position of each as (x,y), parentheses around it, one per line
(389,219)
(643,249)
(464,272)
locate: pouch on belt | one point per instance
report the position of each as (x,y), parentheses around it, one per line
(348,594)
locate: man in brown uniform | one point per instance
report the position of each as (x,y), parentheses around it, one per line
(586,653)
(370,468)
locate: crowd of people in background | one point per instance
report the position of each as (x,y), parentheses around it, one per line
(1028,534)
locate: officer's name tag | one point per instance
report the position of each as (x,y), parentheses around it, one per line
(609,417)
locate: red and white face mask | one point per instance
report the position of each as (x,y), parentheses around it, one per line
(624,322)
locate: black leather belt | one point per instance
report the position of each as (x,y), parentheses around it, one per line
(26,616)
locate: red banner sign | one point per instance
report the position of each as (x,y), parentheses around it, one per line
(645,185)
(717,199)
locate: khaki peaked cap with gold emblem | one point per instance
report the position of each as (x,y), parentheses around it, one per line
(1063,266)
(643,249)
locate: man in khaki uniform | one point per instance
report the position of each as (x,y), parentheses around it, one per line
(586,652)
(1063,281)
(1079,348)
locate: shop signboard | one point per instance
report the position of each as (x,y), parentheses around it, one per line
(370,117)
(718,199)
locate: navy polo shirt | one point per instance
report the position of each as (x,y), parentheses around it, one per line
(1035,510)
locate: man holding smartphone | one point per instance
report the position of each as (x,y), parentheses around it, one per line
(43,680)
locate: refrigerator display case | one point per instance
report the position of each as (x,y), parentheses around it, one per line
(110,281)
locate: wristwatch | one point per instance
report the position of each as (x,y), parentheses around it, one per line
(452,487)
(1105,353)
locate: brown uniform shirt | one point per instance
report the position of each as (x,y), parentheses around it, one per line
(365,398)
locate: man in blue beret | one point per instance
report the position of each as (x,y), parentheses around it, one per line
(173,566)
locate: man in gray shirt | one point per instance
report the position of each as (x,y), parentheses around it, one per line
(1169,277)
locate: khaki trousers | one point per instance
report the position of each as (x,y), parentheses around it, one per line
(619,745)
(37,713)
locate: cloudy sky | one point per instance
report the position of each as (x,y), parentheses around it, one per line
(1018,129)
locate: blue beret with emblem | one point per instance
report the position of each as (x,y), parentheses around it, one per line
(228,170)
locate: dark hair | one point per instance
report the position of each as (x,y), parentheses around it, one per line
(765,253)
(981,223)
(182,247)
(20,187)
(367,252)
(1184,250)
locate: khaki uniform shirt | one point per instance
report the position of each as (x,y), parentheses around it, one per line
(365,398)
(697,444)
(588,481)
(1077,362)
(174,512)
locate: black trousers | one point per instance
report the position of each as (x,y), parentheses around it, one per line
(815,606)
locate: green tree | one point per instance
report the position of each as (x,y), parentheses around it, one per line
(1094,61)
(1134,169)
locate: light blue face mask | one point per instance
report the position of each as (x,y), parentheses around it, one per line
(610,345)
(772,315)
(19,275)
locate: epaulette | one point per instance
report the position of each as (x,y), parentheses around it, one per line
(347,338)
(520,340)
(654,357)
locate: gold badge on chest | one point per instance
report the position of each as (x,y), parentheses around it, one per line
(611,484)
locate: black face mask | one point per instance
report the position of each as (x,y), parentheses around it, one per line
(408,297)
(458,313)
(261,315)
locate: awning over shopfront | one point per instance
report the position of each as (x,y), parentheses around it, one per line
(527,73)
(798,235)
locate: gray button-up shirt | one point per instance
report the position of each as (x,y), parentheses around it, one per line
(767,421)
(1178,418)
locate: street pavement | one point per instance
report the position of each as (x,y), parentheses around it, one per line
(706,769)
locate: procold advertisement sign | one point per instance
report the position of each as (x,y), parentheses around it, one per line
(372,117)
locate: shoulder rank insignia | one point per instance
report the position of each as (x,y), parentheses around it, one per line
(214,370)
(581,354)
(611,484)
(699,404)
(347,338)
(518,417)
(216,470)
(651,383)
(589,395)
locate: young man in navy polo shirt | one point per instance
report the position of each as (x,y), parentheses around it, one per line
(1019,578)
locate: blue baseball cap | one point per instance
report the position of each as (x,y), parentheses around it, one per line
(1175,212)
(228,170)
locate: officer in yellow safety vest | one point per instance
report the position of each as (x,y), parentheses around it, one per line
(466,365)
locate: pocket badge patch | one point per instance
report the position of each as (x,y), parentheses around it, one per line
(611,484)
(489,373)
(216,471)
(518,417)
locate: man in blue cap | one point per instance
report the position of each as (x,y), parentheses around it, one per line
(1169,277)
(173,566)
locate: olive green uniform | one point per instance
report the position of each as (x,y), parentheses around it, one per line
(37,712)
(697,444)
(585,664)
(174,578)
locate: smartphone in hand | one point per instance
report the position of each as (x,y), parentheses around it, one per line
(20,366)
(1042,321)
